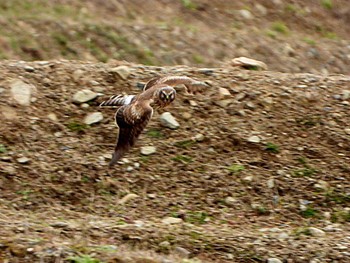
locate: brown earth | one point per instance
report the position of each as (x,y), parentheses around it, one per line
(238,200)
(233,199)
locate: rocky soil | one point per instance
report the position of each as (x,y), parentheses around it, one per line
(258,169)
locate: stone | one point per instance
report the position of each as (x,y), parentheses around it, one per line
(248,63)
(345,94)
(254,139)
(23,160)
(230,201)
(321,185)
(248,178)
(168,120)
(171,220)
(129,169)
(122,71)
(199,137)
(273,260)
(224,93)
(21,92)
(316,232)
(182,252)
(224,103)
(29,68)
(127,198)
(270,183)
(52,116)
(261,9)
(250,105)
(246,14)
(347,131)
(92,118)
(283,236)
(164,244)
(148,150)
(84,96)
(186,115)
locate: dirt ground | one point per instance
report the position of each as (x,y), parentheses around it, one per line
(258,170)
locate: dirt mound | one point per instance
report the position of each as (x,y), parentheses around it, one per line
(258,169)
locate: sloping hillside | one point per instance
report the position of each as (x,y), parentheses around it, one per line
(257,173)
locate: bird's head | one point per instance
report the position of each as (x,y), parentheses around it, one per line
(167,94)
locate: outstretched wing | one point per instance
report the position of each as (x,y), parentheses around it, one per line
(117,100)
(131,120)
(192,85)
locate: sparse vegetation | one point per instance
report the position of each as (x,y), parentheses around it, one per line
(3,148)
(235,168)
(83,259)
(77,126)
(309,41)
(280,27)
(183,159)
(327,4)
(271,147)
(189,4)
(309,212)
(154,133)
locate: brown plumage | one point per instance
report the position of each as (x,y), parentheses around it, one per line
(136,110)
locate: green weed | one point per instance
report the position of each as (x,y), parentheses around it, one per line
(309,212)
(76,126)
(196,217)
(280,27)
(271,147)
(188,4)
(3,148)
(83,259)
(183,159)
(327,4)
(235,168)
(153,133)
(309,41)
(184,144)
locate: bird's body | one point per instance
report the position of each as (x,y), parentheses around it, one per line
(136,110)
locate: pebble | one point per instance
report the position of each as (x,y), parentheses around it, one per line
(127,198)
(347,131)
(246,14)
(250,105)
(316,232)
(29,69)
(248,62)
(199,137)
(254,139)
(273,260)
(224,93)
(270,183)
(148,150)
(248,178)
(186,115)
(282,236)
(23,160)
(345,94)
(92,118)
(224,103)
(169,121)
(122,71)
(52,116)
(164,244)
(182,252)
(22,92)
(84,96)
(171,220)
(321,185)
(129,168)
(230,201)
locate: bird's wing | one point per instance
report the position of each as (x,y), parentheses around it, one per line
(192,85)
(117,100)
(131,120)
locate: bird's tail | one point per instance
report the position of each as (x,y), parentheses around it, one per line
(117,100)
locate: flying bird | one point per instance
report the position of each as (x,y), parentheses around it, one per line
(136,110)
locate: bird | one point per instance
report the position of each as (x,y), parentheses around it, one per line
(135,111)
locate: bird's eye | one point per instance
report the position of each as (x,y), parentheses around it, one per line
(172,96)
(162,95)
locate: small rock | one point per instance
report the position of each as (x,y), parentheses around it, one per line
(230,201)
(127,198)
(148,150)
(129,168)
(250,105)
(273,260)
(186,115)
(84,105)
(246,14)
(347,131)
(261,9)
(29,69)
(321,185)
(122,71)
(248,178)
(248,63)
(172,220)
(182,252)
(199,137)
(84,96)
(316,232)
(52,116)
(168,120)
(193,103)
(21,92)
(23,160)
(282,236)
(137,165)
(224,103)
(92,118)
(345,94)
(206,71)
(59,224)
(270,183)
(254,139)
(224,93)
(164,244)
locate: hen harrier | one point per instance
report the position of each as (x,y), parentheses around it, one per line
(136,110)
